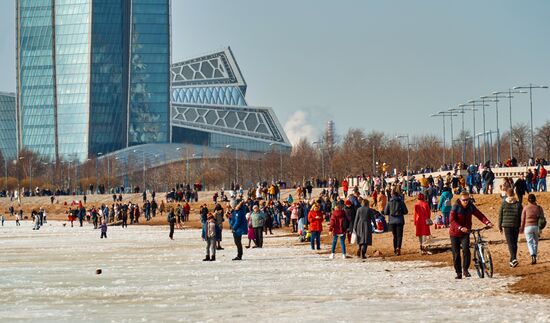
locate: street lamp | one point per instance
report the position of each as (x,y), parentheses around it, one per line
(186,163)
(531,87)
(443,114)
(462,112)
(97,172)
(509,96)
(483,105)
(236,164)
(472,107)
(319,143)
(281,159)
(408,152)
(143,162)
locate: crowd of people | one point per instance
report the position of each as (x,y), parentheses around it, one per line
(353,209)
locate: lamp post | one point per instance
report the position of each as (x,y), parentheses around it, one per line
(319,143)
(236,164)
(531,87)
(143,162)
(483,105)
(281,160)
(472,107)
(508,94)
(462,112)
(408,152)
(186,163)
(443,114)
(97,172)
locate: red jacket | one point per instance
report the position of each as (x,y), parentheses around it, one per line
(543,172)
(462,217)
(421,214)
(337,222)
(315,225)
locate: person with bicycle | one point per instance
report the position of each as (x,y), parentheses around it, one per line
(459,231)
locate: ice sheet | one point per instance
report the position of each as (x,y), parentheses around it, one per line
(49,275)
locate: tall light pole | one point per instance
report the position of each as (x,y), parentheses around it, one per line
(281,160)
(319,143)
(443,114)
(186,163)
(531,87)
(143,163)
(236,163)
(483,105)
(462,112)
(408,153)
(97,172)
(508,94)
(472,107)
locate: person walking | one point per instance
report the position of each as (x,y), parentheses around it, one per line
(532,219)
(459,232)
(315,219)
(172,222)
(521,188)
(445,204)
(396,209)
(209,236)
(258,220)
(239,227)
(336,226)
(509,221)
(422,221)
(362,227)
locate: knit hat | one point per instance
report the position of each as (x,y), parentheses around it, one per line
(421,196)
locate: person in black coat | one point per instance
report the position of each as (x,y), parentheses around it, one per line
(521,188)
(362,226)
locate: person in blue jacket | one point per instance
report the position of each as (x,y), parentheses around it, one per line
(445,205)
(239,226)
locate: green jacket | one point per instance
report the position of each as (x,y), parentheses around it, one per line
(258,219)
(510,214)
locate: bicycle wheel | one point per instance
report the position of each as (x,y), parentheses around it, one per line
(488,262)
(478,263)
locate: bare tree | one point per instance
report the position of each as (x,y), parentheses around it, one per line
(543,140)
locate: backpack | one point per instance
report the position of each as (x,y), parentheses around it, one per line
(447,202)
(542,219)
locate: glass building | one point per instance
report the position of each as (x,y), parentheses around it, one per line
(92,75)
(209,107)
(8,134)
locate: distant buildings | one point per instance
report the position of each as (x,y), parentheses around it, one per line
(94,77)
(8,138)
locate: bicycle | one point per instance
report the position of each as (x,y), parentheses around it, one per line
(483,261)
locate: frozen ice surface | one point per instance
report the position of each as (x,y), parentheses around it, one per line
(49,276)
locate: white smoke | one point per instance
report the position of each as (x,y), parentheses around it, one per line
(298,126)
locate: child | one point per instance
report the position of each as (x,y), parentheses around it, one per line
(210,237)
(103,228)
(251,236)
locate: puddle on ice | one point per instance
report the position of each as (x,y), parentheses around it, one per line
(49,275)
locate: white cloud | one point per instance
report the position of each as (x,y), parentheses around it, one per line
(298,126)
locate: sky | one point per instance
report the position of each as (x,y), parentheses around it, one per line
(374,65)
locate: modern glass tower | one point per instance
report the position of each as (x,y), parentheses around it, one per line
(92,75)
(8,146)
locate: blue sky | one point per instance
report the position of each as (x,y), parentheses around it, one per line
(376,65)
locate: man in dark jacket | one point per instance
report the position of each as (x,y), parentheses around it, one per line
(509,221)
(395,209)
(521,188)
(459,230)
(239,226)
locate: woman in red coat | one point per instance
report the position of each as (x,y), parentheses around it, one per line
(421,220)
(315,219)
(338,230)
